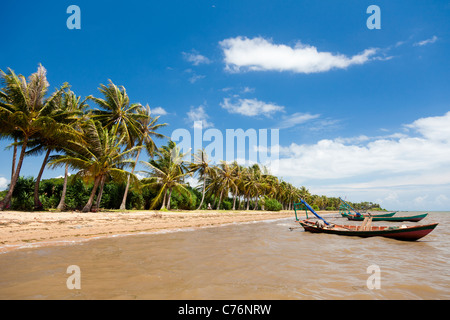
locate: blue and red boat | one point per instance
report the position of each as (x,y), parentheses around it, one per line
(407,233)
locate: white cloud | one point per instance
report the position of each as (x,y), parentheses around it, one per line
(159,111)
(199,114)
(295,119)
(3,183)
(251,107)
(195,58)
(195,77)
(427,41)
(247,90)
(329,159)
(433,128)
(259,54)
(398,168)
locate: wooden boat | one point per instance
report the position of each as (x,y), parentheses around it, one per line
(410,233)
(344,210)
(415,218)
(407,233)
(381,215)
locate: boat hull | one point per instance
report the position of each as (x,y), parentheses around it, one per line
(390,214)
(412,233)
(415,218)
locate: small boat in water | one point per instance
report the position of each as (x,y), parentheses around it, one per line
(410,233)
(344,210)
(415,218)
(381,215)
(407,233)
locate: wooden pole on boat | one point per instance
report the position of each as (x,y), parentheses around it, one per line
(312,210)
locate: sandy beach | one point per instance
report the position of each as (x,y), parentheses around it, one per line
(19,229)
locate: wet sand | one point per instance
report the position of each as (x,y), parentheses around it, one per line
(24,228)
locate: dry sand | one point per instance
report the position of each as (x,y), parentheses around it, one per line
(28,229)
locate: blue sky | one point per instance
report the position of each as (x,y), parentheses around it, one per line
(361,113)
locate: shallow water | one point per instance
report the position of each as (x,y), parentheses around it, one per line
(261,260)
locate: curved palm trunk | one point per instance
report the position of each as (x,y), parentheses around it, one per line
(234,200)
(220,200)
(168,200)
(164,200)
(14,158)
(124,199)
(15,176)
(203,195)
(37,203)
(100,193)
(256,202)
(13,162)
(248,202)
(88,205)
(62,203)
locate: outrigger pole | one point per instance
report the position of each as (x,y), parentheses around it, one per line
(310,209)
(357,213)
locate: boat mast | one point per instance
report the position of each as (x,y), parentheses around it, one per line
(312,210)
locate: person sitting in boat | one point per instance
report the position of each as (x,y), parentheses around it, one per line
(320,224)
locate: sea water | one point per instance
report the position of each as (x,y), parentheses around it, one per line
(262,260)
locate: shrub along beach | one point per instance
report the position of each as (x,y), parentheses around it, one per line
(102,139)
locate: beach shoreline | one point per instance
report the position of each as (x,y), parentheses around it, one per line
(20,229)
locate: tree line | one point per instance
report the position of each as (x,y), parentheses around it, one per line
(104,144)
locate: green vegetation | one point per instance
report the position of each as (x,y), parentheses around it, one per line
(103,146)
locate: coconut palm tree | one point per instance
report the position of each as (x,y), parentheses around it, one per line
(99,158)
(24,105)
(167,173)
(225,179)
(73,105)
(67,113)
(238,174)
(253,184)
(116,111)
(148,127)
(202,167)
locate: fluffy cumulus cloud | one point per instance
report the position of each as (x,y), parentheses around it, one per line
(260,54)
(417,163)
(251,107)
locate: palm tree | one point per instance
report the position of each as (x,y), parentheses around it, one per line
(238,173)
(148,127)
(66,113)
(168,172)
(270,184)
(225,179)
(252,184)
(23,104)
(99,158)
(73,105)
(201,165)
(117,112)
(8,131)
